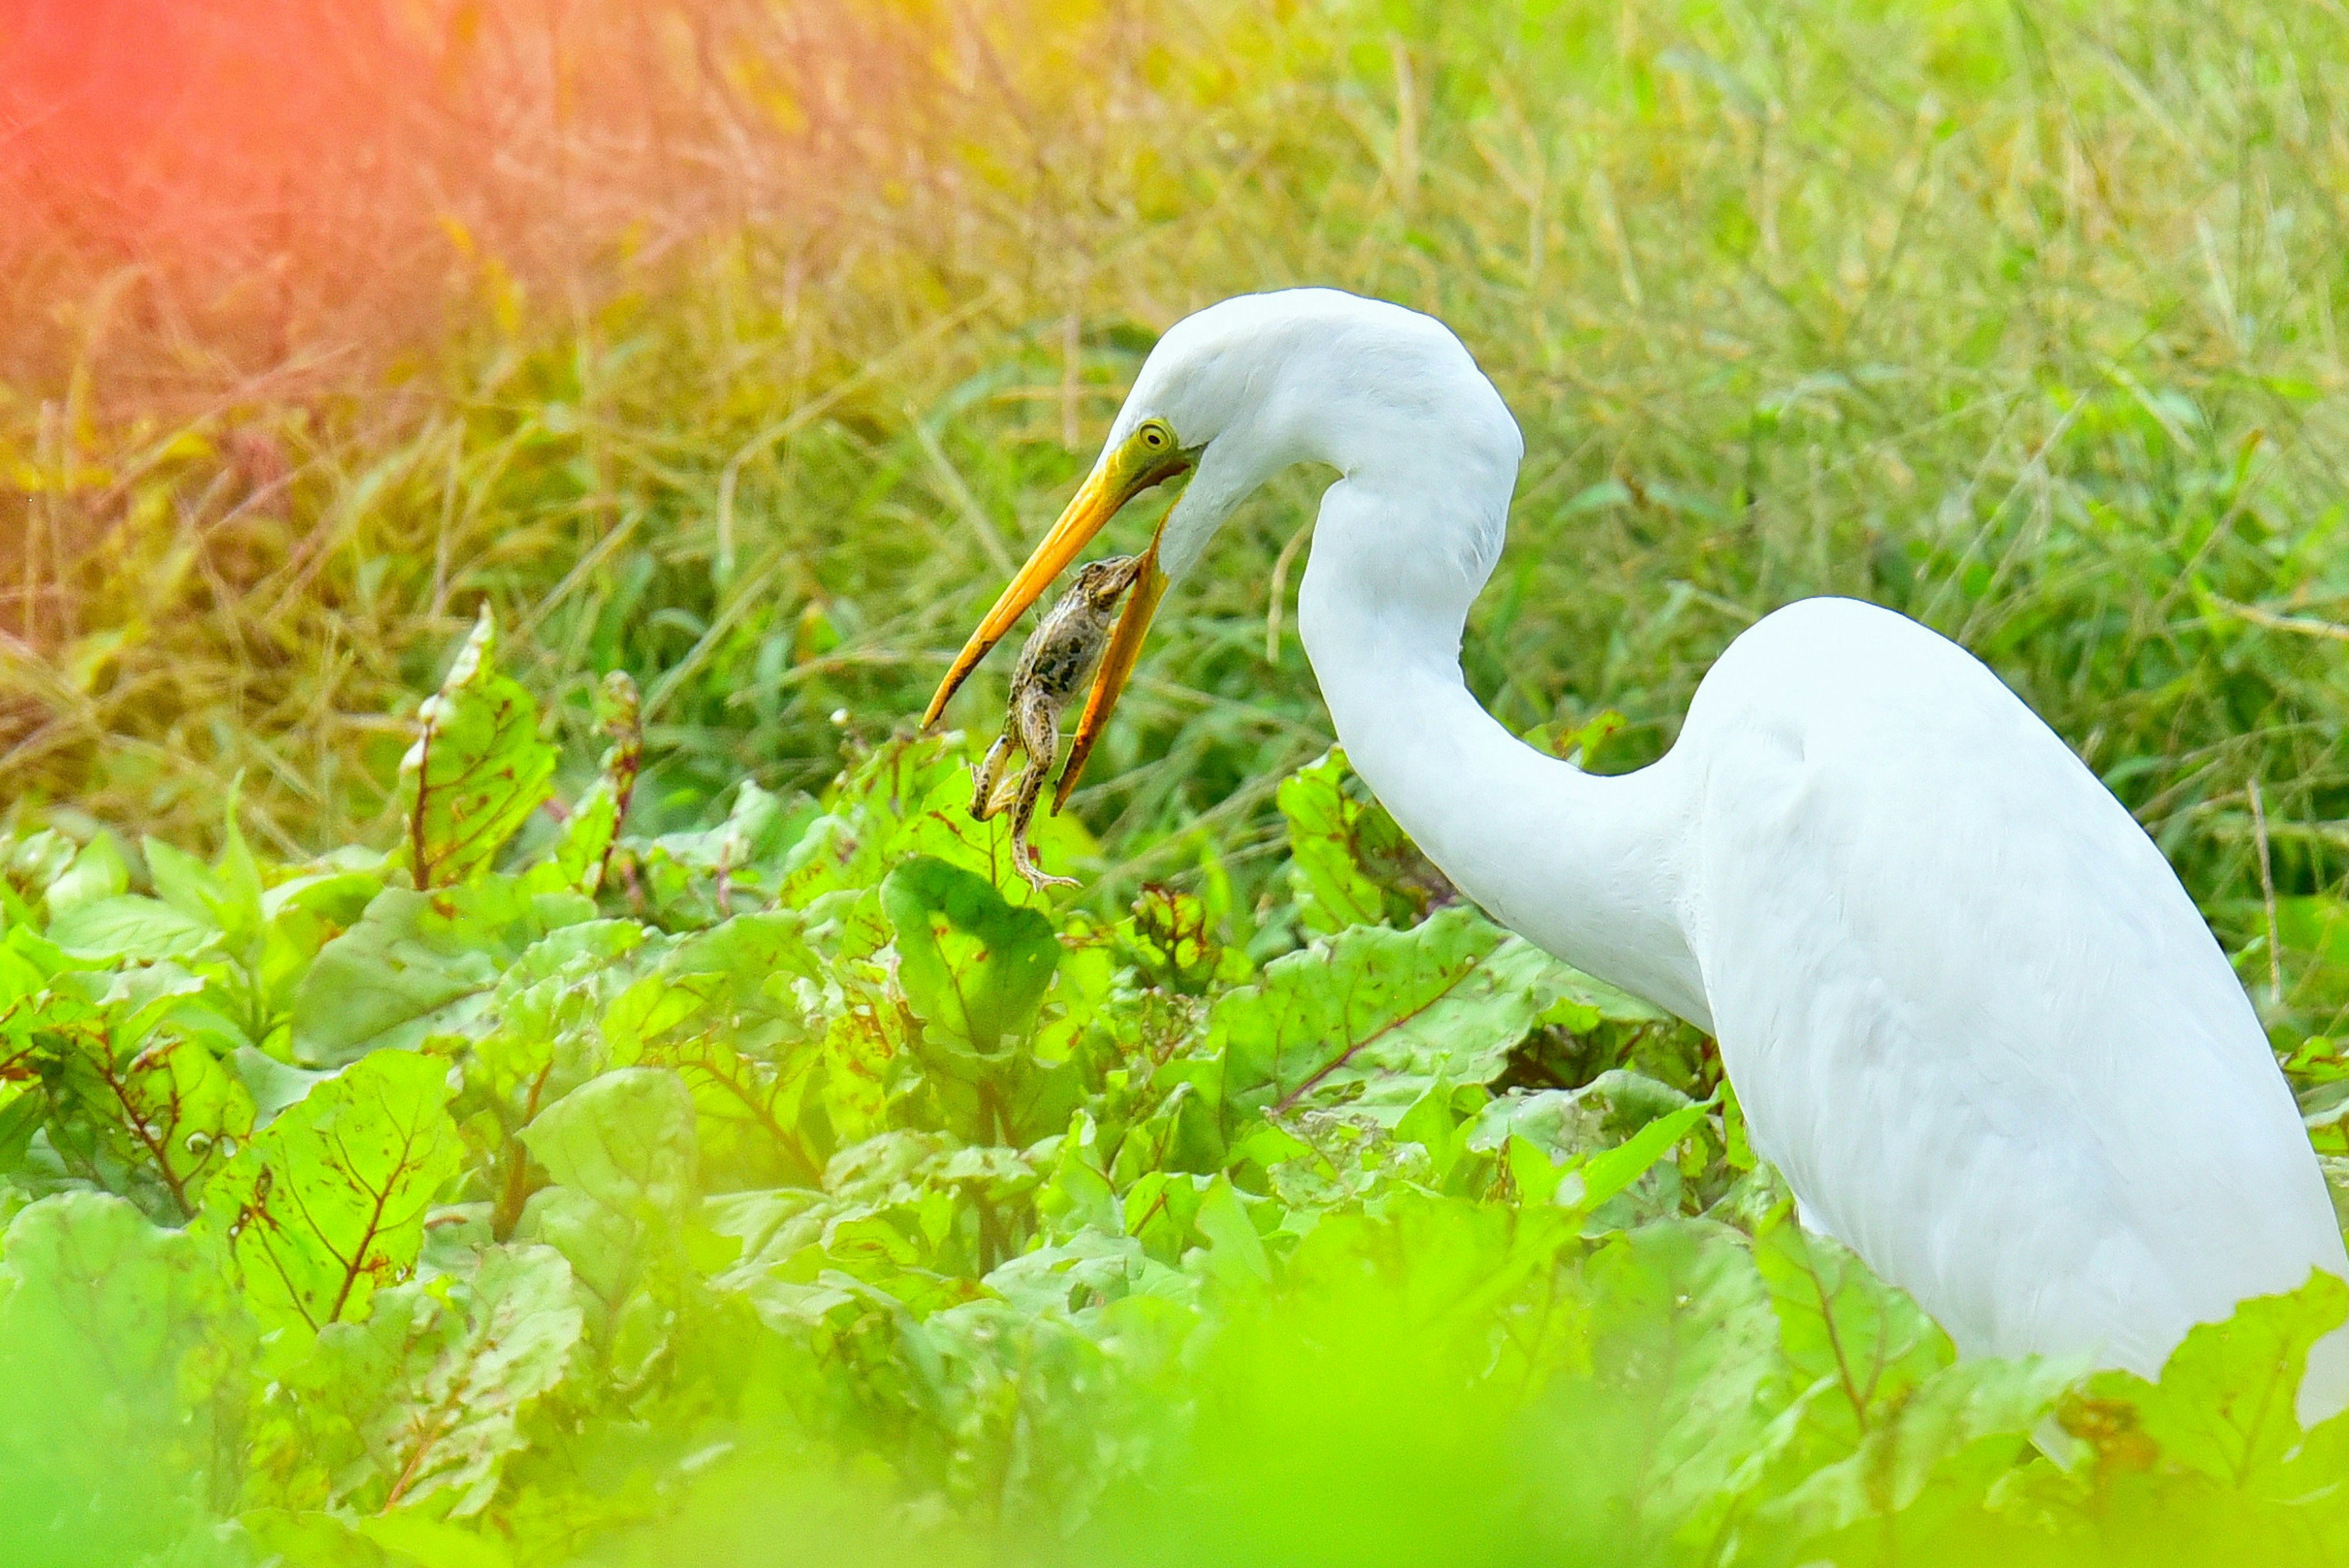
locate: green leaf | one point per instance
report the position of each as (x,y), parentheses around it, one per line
(545,1007)
(1234,1251)
(736,1011)
(419,964)
(326,1205)
(1862,1346)
(1077,1193)
(974,966)
(588,836)
(424,1400)
(1171,936)
(172,1104)
(912,798)
(270,1083)
(586,849)
(128,926)
(134,1076)
(98,871)
(314,1539)
(1603,1175)
(1682,1343)
(2225,1404)
(122,1355)
(625,1140)
(1585,999)
(477,768)
(1378,1014)
(1963,1427)
(622,1151)
(1335,843)
(1440,1121)
(226,898)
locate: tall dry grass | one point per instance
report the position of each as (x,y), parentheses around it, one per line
(743,345)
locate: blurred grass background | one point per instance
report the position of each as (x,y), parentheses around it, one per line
(746,344)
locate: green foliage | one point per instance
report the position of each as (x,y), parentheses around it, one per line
(326,1204)
(1378,1015)
(800,1172)
(477,768)
(1333,836)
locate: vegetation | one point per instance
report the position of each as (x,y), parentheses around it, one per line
(421,1143)
(397,1208)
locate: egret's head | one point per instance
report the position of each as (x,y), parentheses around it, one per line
(1233,394)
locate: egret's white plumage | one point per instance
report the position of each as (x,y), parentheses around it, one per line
(1966,1006)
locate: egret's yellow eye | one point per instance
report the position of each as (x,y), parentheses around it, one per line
(1154,436)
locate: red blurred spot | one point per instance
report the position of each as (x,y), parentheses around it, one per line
(120,115)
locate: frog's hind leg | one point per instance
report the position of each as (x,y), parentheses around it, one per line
(994,788)
(1006,788)
(1040,733)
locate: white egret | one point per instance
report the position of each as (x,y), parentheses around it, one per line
(1967,1008)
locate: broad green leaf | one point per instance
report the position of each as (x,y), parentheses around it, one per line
(1234,1251)
(316,1538)
(1087,1272)
(1076,1194)
(1683,1369)
(1379,1014)
(625,1140)
(122,1352)
(943,828)
(477,768)
(413,1537)
(172,1104)
(912,798)
(1345,855)
(1567,1123)
(326,1205)
(588,834)
(1585,997)
(697,878)
(38,859)
(543,1013)
(736,1010)
(974,966)
(625,1160)
(135,1077)
(270,1083)
(1439,1122)
(98,871)
(226,897)
(1861,1345)
(424,1399)
(128,926)
(419,964)
(2225,1404)
(1964,1426)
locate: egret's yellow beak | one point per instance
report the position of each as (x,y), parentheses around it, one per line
(1150,456)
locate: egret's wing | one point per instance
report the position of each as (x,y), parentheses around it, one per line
(1968,1008)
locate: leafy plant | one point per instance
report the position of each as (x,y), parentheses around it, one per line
(812,1163)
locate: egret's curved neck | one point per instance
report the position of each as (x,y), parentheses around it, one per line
(1585,866)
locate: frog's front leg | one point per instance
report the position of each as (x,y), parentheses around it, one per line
(990,796)
(1037,720)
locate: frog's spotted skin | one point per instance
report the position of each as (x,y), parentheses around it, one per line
(1060,657)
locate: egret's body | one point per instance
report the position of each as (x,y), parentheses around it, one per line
(1967,1008)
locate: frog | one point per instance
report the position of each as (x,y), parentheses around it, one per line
(1060,656)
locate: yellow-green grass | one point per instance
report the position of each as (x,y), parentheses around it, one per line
(2022,319)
